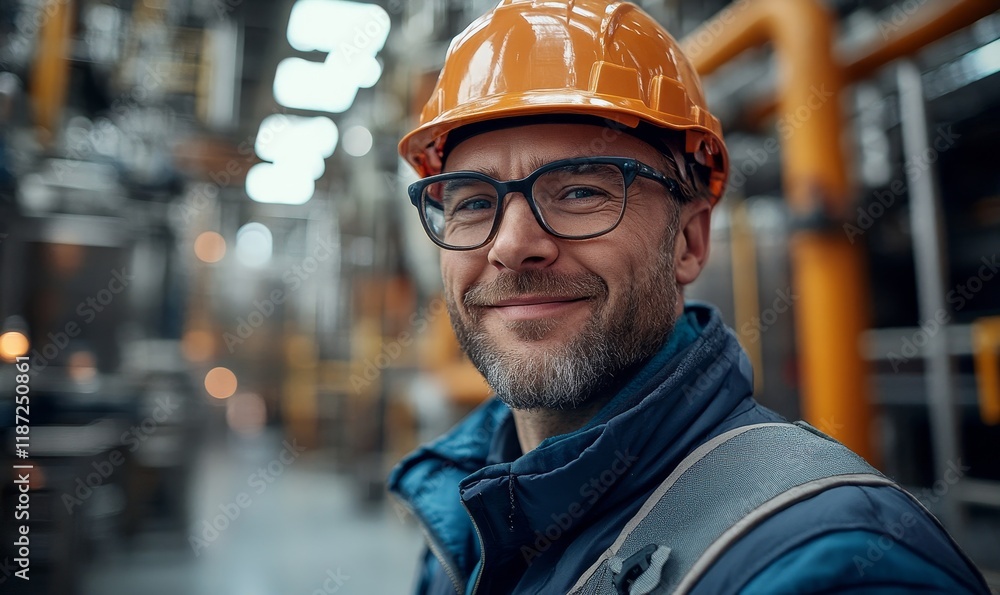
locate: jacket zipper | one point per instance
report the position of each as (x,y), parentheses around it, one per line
(436,549)
(482,548)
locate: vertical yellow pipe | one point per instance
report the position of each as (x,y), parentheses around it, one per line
(829,274)
(746,304)
(830,316)
(986,359)
(50,73)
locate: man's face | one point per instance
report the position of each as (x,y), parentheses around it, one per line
(550,322)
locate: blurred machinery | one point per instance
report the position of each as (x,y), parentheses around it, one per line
(174,287)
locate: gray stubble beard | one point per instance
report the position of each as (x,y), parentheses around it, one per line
(578,373)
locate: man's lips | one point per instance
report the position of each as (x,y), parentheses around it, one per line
(533,300)
(528,307)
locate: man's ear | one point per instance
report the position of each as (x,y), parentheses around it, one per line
(692,244)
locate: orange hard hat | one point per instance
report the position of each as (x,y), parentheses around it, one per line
(582,57)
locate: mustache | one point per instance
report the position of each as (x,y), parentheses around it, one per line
(535,283)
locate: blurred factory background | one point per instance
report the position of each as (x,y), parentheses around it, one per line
(232,314)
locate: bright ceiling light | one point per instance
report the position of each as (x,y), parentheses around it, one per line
(329,86)
(352,34)
(298,142)
(333,25)
(298,148)
(279,184)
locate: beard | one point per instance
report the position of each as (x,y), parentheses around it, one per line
(571,376)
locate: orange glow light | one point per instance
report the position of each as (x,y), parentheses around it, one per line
(220,383)
(210,247)
(13,345)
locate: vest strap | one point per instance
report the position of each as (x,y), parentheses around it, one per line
(716,495)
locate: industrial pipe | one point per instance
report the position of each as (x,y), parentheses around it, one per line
(829,275)
(50,74)
(930,23)
(925,26)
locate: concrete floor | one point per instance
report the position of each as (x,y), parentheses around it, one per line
(300,530)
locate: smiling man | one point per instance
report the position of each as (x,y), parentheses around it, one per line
(570,166)
(551,324)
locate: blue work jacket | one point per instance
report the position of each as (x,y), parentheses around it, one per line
(499,521)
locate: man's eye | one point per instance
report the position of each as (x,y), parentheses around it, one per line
(583,192)
(474,204)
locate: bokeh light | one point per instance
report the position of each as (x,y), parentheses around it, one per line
(246,414)
(220,383)
(210,247)
(254,245)
(82,367)
(357,141)
(13,344)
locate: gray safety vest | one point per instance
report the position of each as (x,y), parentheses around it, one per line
(717,494)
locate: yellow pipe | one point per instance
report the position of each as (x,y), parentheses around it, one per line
(928,24)
(746,304)
(829,275)
(50,74)
(986,358)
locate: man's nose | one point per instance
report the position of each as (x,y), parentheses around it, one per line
(521,243)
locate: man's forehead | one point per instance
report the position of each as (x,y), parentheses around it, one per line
(528,147)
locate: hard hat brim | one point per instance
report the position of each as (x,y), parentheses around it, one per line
(423,146)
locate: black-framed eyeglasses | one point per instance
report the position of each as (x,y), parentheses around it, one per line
(574,199)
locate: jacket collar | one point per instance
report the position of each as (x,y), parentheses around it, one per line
(685,390)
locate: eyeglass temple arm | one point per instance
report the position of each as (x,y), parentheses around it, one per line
(670,184)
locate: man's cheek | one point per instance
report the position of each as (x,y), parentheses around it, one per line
(452,271)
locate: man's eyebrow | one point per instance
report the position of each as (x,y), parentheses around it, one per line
(459,183)
(533,162)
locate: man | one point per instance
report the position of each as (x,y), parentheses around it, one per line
(570,168)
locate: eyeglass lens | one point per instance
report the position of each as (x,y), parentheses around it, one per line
(575,200)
